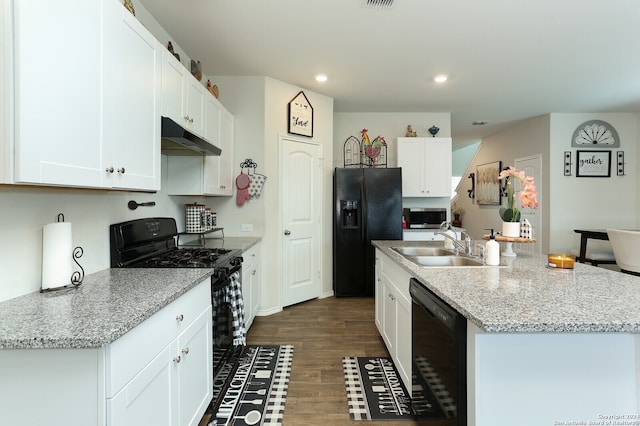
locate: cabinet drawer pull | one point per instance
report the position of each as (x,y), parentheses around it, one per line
(176,359)
(179,317)
(185,351)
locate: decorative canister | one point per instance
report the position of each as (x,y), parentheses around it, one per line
(208,219)
(194,215)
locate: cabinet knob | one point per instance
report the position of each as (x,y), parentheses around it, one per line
(121,170)
(185,351)
(287,232)
(179,317)
(177,359)
(109,170)
(254,272)
(186,117)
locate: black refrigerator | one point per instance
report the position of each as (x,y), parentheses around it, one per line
(367,205)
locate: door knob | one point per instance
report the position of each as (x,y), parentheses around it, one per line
(287,232)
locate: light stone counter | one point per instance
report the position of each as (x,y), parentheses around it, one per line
(523,295)
(104,307)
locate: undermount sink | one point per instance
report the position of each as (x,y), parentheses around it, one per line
(423,251)
(444,261)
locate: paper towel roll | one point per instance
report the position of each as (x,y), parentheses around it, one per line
(57,251)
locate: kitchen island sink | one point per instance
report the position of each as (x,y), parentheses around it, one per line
(423,251)
(448,261)
(436,256)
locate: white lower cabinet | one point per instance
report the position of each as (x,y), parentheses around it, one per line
(171,389)
(393,313)
(158,373)
(175,384)
(251,283)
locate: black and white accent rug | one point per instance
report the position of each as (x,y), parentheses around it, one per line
(375,390)
(257,391)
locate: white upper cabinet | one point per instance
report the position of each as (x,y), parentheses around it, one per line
(426,166)
(210,175)
(183,97)
(91,117)
(132,101)
(219,170)
(58,93)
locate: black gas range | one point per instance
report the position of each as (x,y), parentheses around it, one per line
(152,243)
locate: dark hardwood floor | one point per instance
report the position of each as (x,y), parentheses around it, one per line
(322,331)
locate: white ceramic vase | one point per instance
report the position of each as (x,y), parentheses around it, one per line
(511,229)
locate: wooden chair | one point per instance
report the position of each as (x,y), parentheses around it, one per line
(626,249)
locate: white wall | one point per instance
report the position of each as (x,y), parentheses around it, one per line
(526,138)
(260,108)
(578,202)
(566,202)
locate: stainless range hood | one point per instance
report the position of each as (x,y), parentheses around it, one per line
(176,140)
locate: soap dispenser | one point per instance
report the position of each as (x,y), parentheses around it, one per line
(492,251)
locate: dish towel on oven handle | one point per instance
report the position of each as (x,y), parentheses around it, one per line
(236,304)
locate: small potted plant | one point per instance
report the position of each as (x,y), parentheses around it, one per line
(528,197)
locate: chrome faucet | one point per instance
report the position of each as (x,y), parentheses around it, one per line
(464,245)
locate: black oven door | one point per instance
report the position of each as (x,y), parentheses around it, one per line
(439,394)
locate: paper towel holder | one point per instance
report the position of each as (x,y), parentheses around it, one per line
(77,276)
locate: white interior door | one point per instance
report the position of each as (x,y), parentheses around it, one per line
(301,189)
(532,167)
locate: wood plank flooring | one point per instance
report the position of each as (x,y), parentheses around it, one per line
(322,331)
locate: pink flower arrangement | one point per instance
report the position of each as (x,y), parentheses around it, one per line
(528,196)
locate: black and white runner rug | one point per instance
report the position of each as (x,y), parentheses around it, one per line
(375,390)
(257,391)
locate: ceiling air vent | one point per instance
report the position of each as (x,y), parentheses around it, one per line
(377,4)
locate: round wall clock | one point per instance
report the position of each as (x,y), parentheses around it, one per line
(595,134)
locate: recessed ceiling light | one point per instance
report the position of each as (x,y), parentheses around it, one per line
(321,77)
(440,78)
(479,123)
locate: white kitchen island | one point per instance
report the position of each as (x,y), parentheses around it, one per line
(544,347)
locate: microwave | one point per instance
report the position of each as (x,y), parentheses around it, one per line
(424,218)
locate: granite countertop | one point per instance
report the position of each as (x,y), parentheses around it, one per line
(523,295)
(107,305)
(104,307)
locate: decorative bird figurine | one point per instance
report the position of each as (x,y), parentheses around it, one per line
(373,149)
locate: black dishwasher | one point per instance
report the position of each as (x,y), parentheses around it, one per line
(439,360)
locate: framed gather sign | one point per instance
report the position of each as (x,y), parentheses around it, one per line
(300,116)
(593,164)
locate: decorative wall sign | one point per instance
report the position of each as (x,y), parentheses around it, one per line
(300,116)
(595,134)
(593,164)
(487,183)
